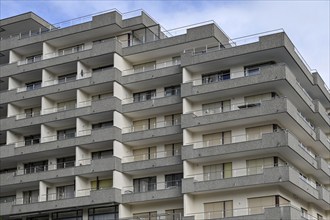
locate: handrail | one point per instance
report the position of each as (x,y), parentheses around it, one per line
(149,156)
(153,187)
(158,95)
(159,124)
(161,65)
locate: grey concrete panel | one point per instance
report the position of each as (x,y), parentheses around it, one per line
(152,195)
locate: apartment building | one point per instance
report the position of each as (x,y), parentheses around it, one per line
(110,116)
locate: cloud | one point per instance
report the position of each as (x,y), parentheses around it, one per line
(305,22)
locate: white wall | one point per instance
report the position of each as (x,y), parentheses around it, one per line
(14,83)
(14,56)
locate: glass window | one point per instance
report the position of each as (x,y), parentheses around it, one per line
(65,192)
(173,180)
(216,77)
(69,215)
(66,134)
(30,196)
(174,214)
(145,216)
(257,166)
(101,184)
(105,124)
(173,90)
(144,67)
(145,153)
(145,124)
(67,105)
(65,162)
(102,154)
(218,209)
(34,58)
(171,120)
(32,139)
(103,213)
(256,133)
(33,85)
(67,78)
(217,139)
(35,167)
(217,171)
(173,149)
(144,96)
(145,184)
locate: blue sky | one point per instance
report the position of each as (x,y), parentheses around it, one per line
(306,22)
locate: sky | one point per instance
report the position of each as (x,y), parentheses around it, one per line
(306,22)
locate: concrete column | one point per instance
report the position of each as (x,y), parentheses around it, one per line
(120,63)
(186,75)
(14,83)
(14,56)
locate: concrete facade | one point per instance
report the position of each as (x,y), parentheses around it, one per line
(116,118)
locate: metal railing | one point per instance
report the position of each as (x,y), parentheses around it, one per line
(28,115)
(149,187)
(306,120)
(239,41)
(161,65)
(157,95)
(150,156)
(59,137)
(155,125)
(58,109)
(69,23)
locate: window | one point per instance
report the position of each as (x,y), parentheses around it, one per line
(173,90)
(102,68)
(34,58)
(102,96)
(35,167)
(173,149)
(32,139)
(254,69)
(101,184)
(218,209)
(145,124)
(65,162)
(217,107)
(216,77)
(44,217)
(32,112)
(256,133)
(257,166)
(65,192)
(103,213)
(66,134)
(144,96)
(67,78)
(145,216)
(102,154)
(144,67)
(257,205)
(70,50)
(174,214)
(145,184)
(33,85)
(173,180)
(30,196)
(255,100)
(67,105)
(217,139)
(105,124)
(171,120)
(6,199)
(217,171)
(145,154)
(69,215)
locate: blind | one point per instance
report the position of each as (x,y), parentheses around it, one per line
(256,132)
(212,172)
(257,166)
(257,205)
(212,139)
(140,154)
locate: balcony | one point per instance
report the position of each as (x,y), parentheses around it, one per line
(155,191)
(161,131)
(157,162)
(283,143)
(54,172)
(97,49)
(285,176)
(267,213)
(83,197)
(161,102)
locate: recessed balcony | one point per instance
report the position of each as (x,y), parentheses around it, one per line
(285,176)
(160,191)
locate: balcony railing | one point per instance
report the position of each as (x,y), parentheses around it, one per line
(161,216)
(158,95)
(232,43)
(160,124)
(149,187)
(257,210)
(69,23)
(161,65)
(306,120)
(28,115)
(27,142)
(59,137)
(58,109)
(151,156)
